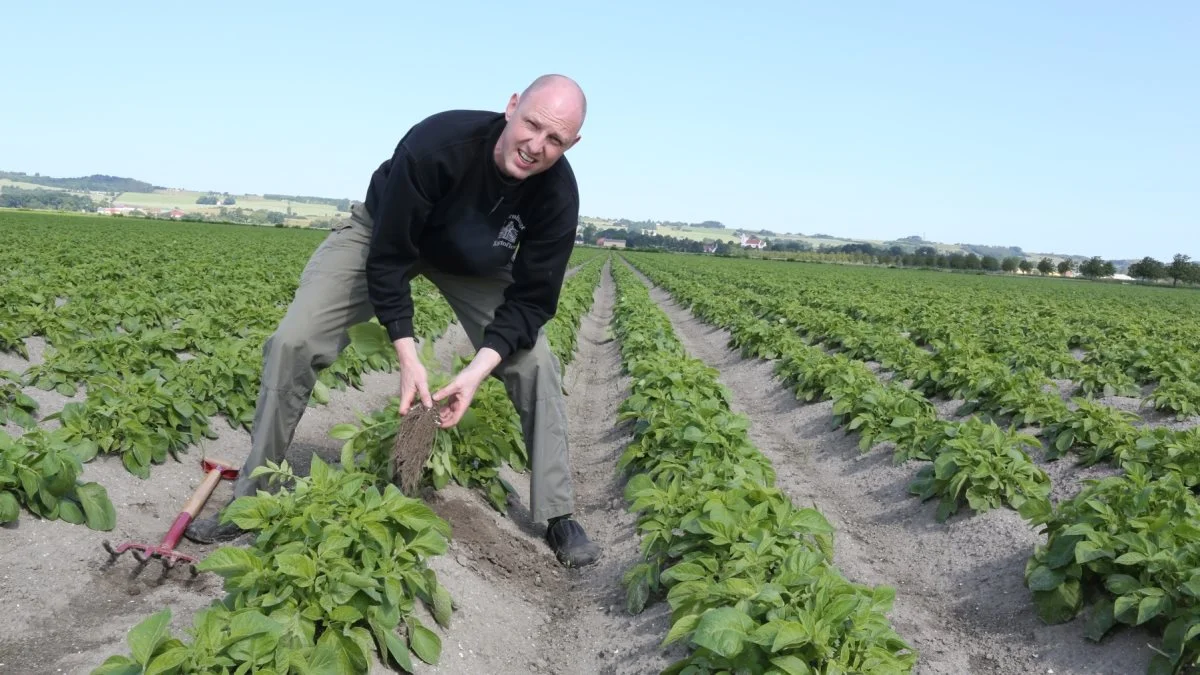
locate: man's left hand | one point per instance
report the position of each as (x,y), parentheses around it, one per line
(461,390)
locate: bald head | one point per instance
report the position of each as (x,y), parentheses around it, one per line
(562,89)
(543,123)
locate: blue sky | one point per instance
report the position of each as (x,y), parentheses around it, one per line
(1068,127)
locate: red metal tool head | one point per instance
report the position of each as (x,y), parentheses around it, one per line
(228,471)
(145,553)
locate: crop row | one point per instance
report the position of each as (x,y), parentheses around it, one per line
(956,368)
(749,577)
(1128,337)
(341,559)
(975,462)
(1124,547)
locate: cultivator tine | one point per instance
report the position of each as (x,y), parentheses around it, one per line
(113,553)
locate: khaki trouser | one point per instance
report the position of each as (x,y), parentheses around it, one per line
(332,296)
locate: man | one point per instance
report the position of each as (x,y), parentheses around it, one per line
(485,206)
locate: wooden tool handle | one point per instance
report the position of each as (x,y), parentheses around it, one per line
(196,502)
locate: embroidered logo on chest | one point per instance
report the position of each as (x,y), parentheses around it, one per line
(510,233)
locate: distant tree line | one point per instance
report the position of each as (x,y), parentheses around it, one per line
(93,183)
(998,252)
(1180,269)
(213,199)
(634,239)
(251,216)
(20,198)
(789,246)
(341,204)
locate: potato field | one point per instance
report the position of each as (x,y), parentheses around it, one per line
(790,467)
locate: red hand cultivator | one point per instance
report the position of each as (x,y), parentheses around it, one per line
(214,471)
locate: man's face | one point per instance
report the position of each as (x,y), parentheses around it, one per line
(539,130)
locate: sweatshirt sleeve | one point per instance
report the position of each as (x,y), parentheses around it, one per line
(401,213)
(538,271)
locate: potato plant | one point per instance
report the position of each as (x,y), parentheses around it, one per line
(749,576)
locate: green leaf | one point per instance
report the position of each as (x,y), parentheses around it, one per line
(70,512)
(1060,604)
(398,651)
(328,658)
(10,508)
(1151,607)
(370,338)
(96,506)
(425,643)
(1086,551)
(1131,558)
(1124,606)
(812,521)
(683,626)
(723,630)
(1045,579)
(296,565)
(118,665)
(343,432)
(442,606)
(685,571)
(168,661)
(320,393)
(639,590)
(1120,584)
(1100,621)
(85,451)
(228,561)
(791,665)
(147,635)
(791,634)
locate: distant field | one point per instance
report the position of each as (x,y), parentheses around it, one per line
(186,200)
(728,235)
(697,233)
(4,182)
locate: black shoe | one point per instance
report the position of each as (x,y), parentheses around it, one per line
(570,544)
(210,530)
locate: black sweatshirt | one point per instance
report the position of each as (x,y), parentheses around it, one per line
(441,199)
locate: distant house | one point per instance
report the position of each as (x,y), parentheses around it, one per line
(610,243)
(751,241)
(710,247)
(176,214)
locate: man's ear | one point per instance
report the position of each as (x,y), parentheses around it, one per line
(574,142)
(512,106)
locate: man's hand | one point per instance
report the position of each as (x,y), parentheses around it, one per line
(461,390)
(413,383)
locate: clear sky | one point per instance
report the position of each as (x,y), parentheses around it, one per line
(1065,127)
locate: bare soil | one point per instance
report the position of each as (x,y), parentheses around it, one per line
(517,609)
(960,598)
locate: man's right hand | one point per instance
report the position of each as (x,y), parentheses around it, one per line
(413,383)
